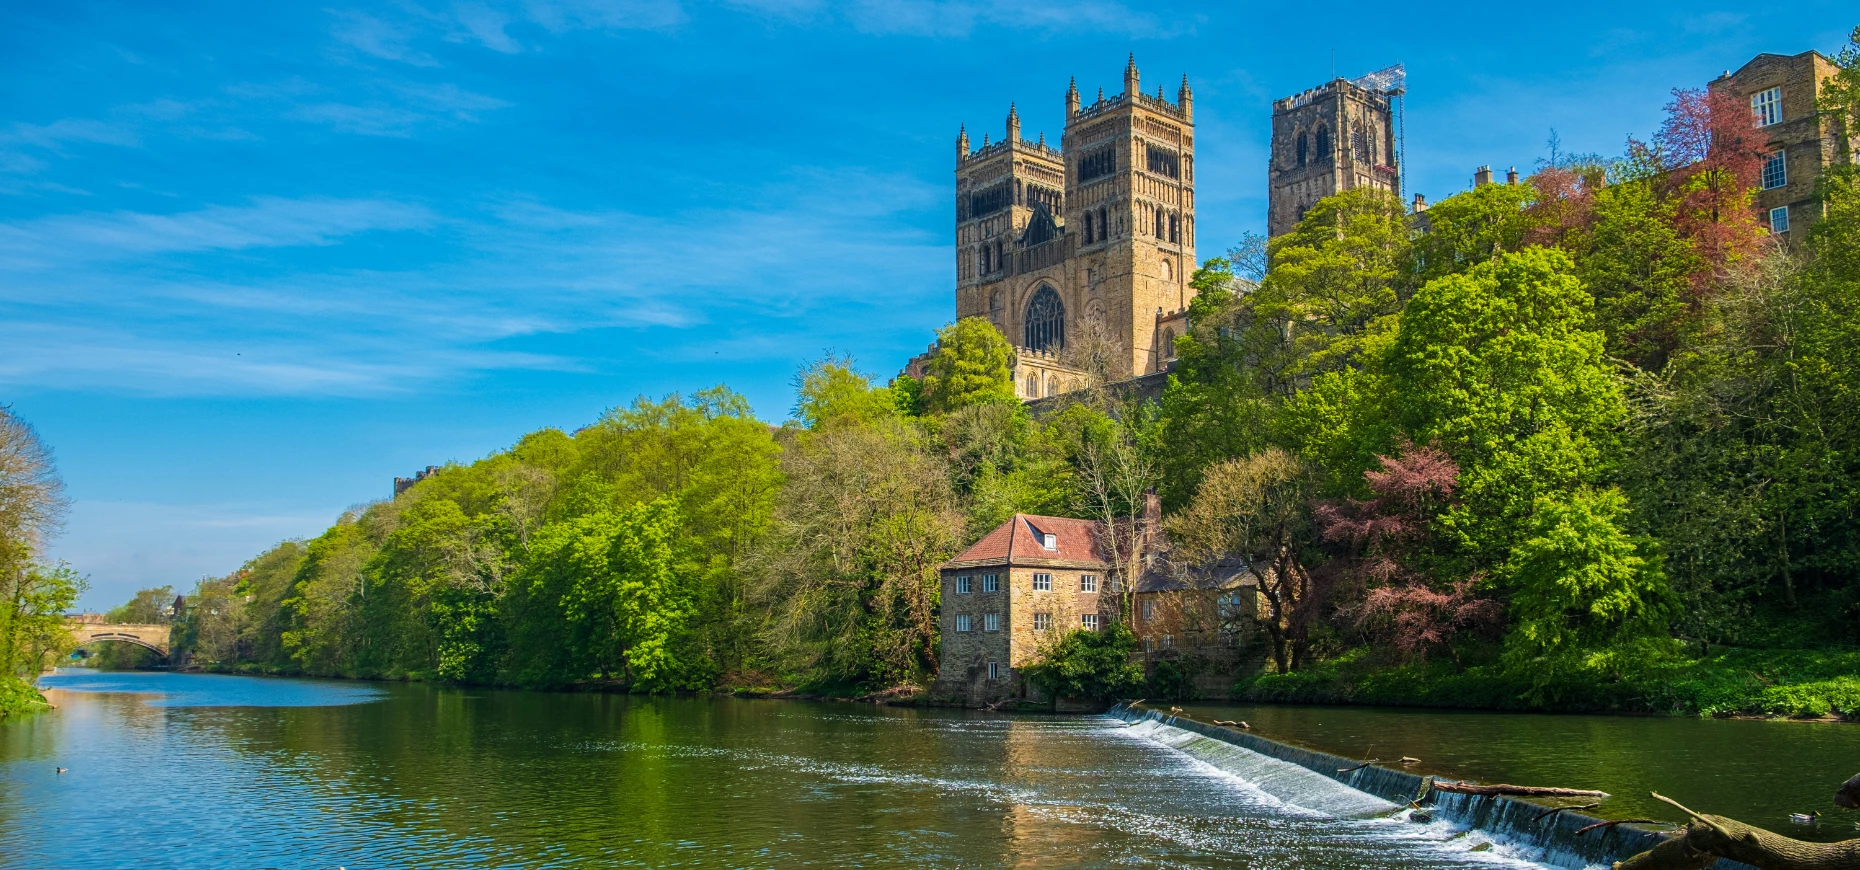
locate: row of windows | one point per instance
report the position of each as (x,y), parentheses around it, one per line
(1097,226)
(1097,164)
(1041,622)
(1163,161)
(990,583)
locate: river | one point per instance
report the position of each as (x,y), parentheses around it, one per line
(172,770)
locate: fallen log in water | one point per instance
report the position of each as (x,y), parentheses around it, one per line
(1705,839)
(1515,790)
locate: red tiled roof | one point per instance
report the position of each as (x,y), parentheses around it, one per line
(1018,542)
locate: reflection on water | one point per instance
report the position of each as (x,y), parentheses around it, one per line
(243,774)
(1755,771)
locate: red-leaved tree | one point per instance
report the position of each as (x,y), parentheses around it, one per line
(1381,540)
(1709,157)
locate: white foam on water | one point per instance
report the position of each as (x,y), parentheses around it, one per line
(1290,784)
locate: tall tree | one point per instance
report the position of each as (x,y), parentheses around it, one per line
(973,364)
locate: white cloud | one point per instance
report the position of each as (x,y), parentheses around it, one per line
(507,271)
(267,222)
(380,38)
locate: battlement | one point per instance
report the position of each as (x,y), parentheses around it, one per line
(995,149)
(1111,104)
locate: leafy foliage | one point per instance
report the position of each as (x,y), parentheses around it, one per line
(1094,665)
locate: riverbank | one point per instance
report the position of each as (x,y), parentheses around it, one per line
(1793,684)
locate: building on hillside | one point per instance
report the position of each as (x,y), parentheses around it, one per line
(1088,246)
(402,484)
(1341,135)
(1019,589)
(1784,94)
(1202,617)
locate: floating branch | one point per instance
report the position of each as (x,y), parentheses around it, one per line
(1614,822)
(1516,790)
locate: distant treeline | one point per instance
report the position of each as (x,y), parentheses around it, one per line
(1579,437)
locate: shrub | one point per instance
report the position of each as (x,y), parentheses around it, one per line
(1089,664)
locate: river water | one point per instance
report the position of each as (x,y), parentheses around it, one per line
(170,770)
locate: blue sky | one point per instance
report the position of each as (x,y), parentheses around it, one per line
(258,259)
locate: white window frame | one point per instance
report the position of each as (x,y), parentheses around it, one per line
(1149,609)
(991,582)
(963,623)
(1779,160)
(991,622)
(1779,219)
(1088,621)
(1766,106)
(1042,582)
(1042,622)
(1088,582)
(994,671)
(963,584)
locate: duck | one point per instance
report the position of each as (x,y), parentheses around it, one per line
(1807,818)
(61,770)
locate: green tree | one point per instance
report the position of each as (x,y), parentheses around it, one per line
(973,365)
(33,596)
(830,392)
(147,607)
(1094,665)
(1501,368)
(1580,582)
(1473,226)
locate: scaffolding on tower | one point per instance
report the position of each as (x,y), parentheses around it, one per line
(1392,82)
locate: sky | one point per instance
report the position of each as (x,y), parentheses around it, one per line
(258,259)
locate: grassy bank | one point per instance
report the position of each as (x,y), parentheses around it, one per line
(18,696)
(1728,682)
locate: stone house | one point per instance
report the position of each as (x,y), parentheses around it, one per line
(1783,92)
(1006,599)
(1202,616)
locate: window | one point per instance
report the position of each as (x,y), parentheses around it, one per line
(1149,610)
(1042,582)
(1089,621)
(1098,164)
(991,622)
(1042,621)
(1175,230)
(1049,541)
(991,582)
(1046,321)
(1033,386)
(1159,225)
(962,622)
(962,585)
(1775,171)
(1304,146)
(1767,106)
(1323,145)
(1089,217)
(1088,582)
(1168,641)
(1779,219)
(1103,222)
(994,671)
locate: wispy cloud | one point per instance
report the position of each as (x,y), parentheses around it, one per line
(379,37)
(267,222)
(511,270)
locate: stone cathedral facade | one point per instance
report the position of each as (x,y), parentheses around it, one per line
(1093,240)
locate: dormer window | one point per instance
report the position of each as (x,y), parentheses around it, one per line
(1049,541)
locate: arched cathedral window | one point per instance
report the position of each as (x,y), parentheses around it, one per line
(1046,321)
(1323,145)
(1088,236)
(1104,223)
(1303,147)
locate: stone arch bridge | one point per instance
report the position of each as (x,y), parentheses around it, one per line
(153,637)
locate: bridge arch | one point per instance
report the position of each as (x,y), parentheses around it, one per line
(150,637)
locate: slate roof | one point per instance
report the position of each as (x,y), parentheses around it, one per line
(1018,542)
(1165,576)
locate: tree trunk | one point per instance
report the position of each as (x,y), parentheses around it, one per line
(1709,838)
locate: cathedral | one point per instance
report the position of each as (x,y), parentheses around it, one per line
(1090,244)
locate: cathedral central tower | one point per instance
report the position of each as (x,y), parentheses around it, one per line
(1092,242)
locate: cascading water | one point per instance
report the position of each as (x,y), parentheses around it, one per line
(1340,787)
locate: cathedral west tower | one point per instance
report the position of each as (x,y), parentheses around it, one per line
(1094,240)
(1338,136)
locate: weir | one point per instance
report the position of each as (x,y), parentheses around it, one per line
(1312,780)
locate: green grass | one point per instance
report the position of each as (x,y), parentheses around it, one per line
(1654,679)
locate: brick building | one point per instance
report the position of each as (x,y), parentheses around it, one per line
(1784,92)
(1019,589)
(1202,616)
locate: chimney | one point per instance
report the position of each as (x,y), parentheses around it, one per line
(1511,175)
(1482,176)
(1420,203)
(1152,510)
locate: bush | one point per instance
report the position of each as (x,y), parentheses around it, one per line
(18,696)
(1094,665)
